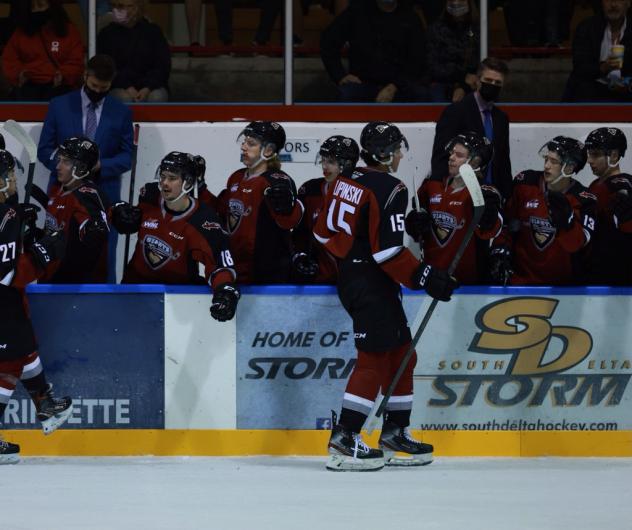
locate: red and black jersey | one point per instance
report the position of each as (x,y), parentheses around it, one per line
(69,211)
(543,255)
(259,237)
(452,210)
(313,194)
(17,270)
(364,221)
(609,257)
(171,244)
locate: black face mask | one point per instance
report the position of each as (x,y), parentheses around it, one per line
(93,95)
(489,92)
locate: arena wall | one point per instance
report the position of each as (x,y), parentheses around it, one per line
(501,371)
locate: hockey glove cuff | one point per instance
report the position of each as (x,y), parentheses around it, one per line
(500,269)
(560,210)
(304,266)
(417,223)
(93,233)
(492,207)
(281,198)
(126,218)
(437,282)
(48,248)
(224,305)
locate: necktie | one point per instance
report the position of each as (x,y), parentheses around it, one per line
(91,121)
(489,133)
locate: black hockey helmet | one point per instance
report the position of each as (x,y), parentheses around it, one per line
(267,132)
(570,151)
(83,152)
(477,145)
(607,139)
(343,150)
(381,139)
(183,164)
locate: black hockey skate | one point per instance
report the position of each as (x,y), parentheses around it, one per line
(9,453)
(401,449)
(347,452)
(51,411)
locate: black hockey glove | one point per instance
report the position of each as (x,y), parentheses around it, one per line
(94,233)
(493,202)
(126,218)
(417,223)
(437,282)
(500,269)
(305,267)
(200,171)
(281,198)
(48,248)
(560,210)
(622,207)
(29,217)
(224,305)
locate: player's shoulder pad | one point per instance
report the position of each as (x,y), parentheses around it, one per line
(384,186)
(529,177)
(312,188)
(622,181)
(276,175)
(149,193)
(206,221)
(89,194)
(582,194)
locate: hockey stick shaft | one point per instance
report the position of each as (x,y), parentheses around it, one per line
(132,184)
(479,206)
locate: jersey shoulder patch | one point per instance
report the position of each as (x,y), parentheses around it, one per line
(312,188)
(530,177)
(205,220)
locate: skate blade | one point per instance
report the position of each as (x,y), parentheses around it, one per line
(12,458)
(391,458)
(54,422)
(348,463)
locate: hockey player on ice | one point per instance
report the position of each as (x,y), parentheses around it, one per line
(362,224)
(20,264)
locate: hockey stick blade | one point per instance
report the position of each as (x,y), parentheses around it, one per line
(18,132)
(474,188)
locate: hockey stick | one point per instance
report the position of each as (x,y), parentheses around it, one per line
(472,185)
(132,183)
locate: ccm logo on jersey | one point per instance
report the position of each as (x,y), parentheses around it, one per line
(173,234)
(151,223)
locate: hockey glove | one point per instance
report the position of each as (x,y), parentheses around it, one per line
(281,198)
(622,207)
(417,223)
(500,268)
(93,233)
(437,282)
(29,217)
(200,171)
(224,305)
(48,248)
(560,210)
(305,267)
(126,218)
(492,207)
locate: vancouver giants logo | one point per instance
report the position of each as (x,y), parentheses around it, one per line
(542,232)
(444,226)
(237,210)
(156,252)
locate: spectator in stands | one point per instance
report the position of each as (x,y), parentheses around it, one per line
(259,207)
(602,56)
(91,112)
(140,52)
(223,13)
(477,112)
(386,52)
(44,56)
(270,10)
(452,52)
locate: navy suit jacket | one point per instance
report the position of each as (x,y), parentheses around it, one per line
(462,117)
(114,137)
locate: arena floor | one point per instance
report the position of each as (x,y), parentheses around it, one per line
(275,493)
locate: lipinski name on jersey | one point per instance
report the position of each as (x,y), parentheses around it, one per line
(85,412)
(348,192)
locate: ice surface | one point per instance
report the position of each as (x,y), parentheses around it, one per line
(261,493)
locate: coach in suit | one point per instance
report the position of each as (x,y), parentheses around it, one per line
(90,112)
(477,112)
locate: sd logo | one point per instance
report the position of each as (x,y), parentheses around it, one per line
(520,327)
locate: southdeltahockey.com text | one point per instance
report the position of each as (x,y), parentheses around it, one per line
(522,425)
